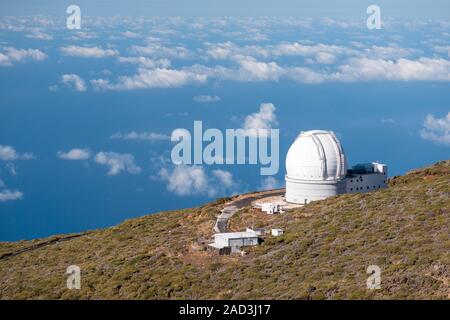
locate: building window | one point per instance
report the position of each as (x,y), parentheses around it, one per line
(367,187)
(379,187)
(351,189)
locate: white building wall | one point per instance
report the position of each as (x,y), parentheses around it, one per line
(380,168)
(226,241)
(302,191)
(366,182)
(241,242)
(220,240)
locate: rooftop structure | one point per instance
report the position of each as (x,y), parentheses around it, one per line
(271,208)
(277,232)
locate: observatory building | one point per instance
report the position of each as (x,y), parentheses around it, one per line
(317,168)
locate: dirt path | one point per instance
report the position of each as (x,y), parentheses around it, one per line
(40,245)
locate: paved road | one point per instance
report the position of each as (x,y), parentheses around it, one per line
(233,206)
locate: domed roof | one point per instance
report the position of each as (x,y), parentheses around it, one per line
(316,155)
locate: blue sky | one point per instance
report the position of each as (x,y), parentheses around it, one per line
(347,9)
(86,115)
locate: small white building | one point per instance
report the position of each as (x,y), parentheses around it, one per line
(234,239)
(277,232)
(271,208)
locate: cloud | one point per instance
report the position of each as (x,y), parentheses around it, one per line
(8,153)
(225,178)
(259,121)
(309,50)
(74,154)
(145,62)
(129,34)
(252,70)
(11,168)
(206,99)
(327,63)
(154,49)
(39,35)
(436,129)
(88,52)
(117,162)
(325,58)
(388,52)
(387,120)
(358,62)
(443,49)
(145,136)
(193,180)
(10,195)
(306,75)
(220,51)
(12,55)
(74,81)
(364,69)
(249,70)
(151,78)
(82,35)
(270,183)
(322,52)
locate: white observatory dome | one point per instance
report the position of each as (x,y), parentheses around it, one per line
(316,155)
(316,166)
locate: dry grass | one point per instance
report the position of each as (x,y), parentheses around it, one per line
(323,254)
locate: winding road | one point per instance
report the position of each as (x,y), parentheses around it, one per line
(240,202)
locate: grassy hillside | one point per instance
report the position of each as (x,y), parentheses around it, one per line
(323,255)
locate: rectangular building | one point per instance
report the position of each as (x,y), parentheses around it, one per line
(234,240)
(366,177)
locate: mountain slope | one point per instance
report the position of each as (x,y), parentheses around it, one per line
(324,253)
